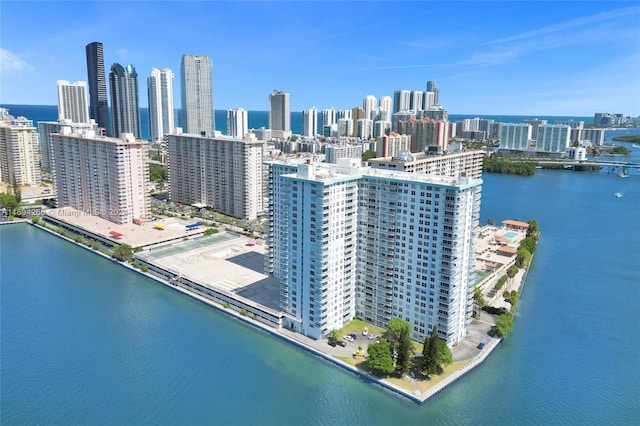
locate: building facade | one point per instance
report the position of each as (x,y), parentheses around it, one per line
(425,132)
(392,143)
(160,95)
(220,172)
(515,136)
(279,114)
(98,104)
(19,151)
(553,138)
(310,122)
(125,100)
(47,128)
(73,103)
(101,176)
(197,94)
(348,241)
(237,123)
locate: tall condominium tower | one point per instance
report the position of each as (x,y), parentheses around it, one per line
(48,128)
(385,108)
(160,91)
(101,176)
(19,150)
(197,95)
(427,100)
(98,106)
(279,114)
(515,136)
(535,123)
(310,122)
(72,101)
(417,101)
(328,117)
(348,241)
(220,172)
(433,87)
(553,137)
(401,100)
(125,108)
(237,123)
(370,104)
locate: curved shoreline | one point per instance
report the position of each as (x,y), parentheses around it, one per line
(299,340)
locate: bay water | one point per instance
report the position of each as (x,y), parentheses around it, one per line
(85,341)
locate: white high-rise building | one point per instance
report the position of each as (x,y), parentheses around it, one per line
(345,126)
(329,117)
(310,122)
(279,114)
(47,128)
(428,100)
(348,241)
(223,173)
(101,176)
(370,105)
(386,104)
(345,113)
(161,116)
(73,103)
(401,100)
(365,128)
(197,95)
(19,151)
(237,123)
(417,101)
(553,137)
(515,136)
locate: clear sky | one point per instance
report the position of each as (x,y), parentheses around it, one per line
(529,58)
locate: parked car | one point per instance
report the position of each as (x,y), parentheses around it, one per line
(349,338)
(480,345)
(341,343)
(353,336)
(372,336)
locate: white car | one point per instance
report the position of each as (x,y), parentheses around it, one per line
(348,338)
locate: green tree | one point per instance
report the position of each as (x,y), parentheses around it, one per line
(477,296)
(504,325)
(16,190)
(368,155)
(512,271)
(491,222)
(524,257)
(405,352)
(9,202)
(444,353)
(380,359)
(533,230)
(123,252)
(35,219)
(333,337)
(430,364)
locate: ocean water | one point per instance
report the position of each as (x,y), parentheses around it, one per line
(84,341)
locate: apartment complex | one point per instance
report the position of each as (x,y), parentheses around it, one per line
(348,241)
(457,164)
(197,94)
(101,176)
(99,108)
(219,172)
(160,93)
(425,132)
(237,123)
(47,128)
(125,100)
(279,114)
(516,136)
(553,137)
(72,101)
(19,150)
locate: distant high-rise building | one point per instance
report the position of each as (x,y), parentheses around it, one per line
(98,105)
(279,114)
(385,109)
(425,132)
(19,151)
(534,126)
(345,127)
(328,117)
(433,87)
(160,90)
(101,176)
(553,137)
(125,108)
(364,128)
(197,94)
(357,113)
(391,144)
(427,100)
(72,101)
(370,104)
(417,101)
(310,122)
(401,100)
(381,127)
(515,136)
(237,123)
(47,128)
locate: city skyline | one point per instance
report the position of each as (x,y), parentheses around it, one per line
(499,64)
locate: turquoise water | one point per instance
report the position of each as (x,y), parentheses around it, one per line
(84,341)
(509,234)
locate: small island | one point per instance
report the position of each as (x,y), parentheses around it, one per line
(627,138)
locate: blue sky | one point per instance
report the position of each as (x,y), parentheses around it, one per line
(529,58)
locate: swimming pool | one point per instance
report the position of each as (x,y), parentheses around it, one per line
(510,234)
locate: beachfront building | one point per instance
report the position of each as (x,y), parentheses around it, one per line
(101,176)
(515,136)
(553,137)
(98,105)
(160,91)
(333,153)
(535,123)
(279,114)
(348,241)
(456,164)
(310,122)
(125,100)
(595,136)
(197,94)
(73,103)
(19,150)
(237,123)
(223,173)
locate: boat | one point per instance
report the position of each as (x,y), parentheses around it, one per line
(623,173)
(618,194)
(635,146)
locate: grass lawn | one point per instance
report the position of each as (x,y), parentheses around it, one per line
(356,326)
